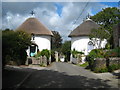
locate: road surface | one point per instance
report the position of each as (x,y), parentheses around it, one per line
(57,75)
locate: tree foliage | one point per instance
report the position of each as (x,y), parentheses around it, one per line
(107,18)
(14,45)
(66,50)
(99,35)
(56,40)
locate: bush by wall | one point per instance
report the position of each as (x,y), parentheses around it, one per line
(102,61)
(95,53)
(44,52)
(113,67)
(114,52)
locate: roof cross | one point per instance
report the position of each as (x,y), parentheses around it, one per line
(88,16)
(32,13)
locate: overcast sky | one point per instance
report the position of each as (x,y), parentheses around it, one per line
(58,16)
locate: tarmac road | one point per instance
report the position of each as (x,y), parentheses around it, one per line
(58,75)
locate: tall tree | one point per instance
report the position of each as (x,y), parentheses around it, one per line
(56,40)
(107,18)
(66,50)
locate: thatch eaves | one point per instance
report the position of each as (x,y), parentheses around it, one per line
(84,29)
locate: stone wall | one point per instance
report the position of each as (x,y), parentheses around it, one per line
(101,63)
(40,61)
(114,61)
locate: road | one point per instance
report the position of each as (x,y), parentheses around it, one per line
(57,75)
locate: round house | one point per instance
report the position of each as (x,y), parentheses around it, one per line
(80,37)
(41,36)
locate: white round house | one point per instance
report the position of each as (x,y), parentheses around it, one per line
(41,36)
(80,37)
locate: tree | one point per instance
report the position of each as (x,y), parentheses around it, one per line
(56,40)
(107,18)
(14,45)
(66,50)
(99,35)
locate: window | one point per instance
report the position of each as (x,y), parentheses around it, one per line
(90,43)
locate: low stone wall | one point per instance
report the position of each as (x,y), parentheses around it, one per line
(40,61)
(115,60)
(100,63)
(79,60)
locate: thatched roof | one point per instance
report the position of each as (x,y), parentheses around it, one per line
(33,26)
(84,29)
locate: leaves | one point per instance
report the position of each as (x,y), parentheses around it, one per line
(66,49)
(107,18)
(56,40)
(98,35)
(14,44)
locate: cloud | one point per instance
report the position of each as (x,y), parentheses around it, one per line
(47,13)
(60,0)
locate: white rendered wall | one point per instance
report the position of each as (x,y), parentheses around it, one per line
(43,42)
(28,51)
(81,44)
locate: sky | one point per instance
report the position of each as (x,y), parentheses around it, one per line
(56,16)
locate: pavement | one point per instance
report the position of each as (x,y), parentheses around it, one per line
(57,75)
(114,77)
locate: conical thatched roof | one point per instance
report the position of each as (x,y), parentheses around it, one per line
(84,29)
(33,26)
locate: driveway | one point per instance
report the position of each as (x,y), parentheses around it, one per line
(57,75)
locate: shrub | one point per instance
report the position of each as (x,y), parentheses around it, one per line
(100,53)
(100,70)
(114,52)
(37,55)
(46,53)
(113,67)
(14,45)
(95,53)
(75,53)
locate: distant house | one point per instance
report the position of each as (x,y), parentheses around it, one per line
(80,37)
(41,36)
(116,35)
